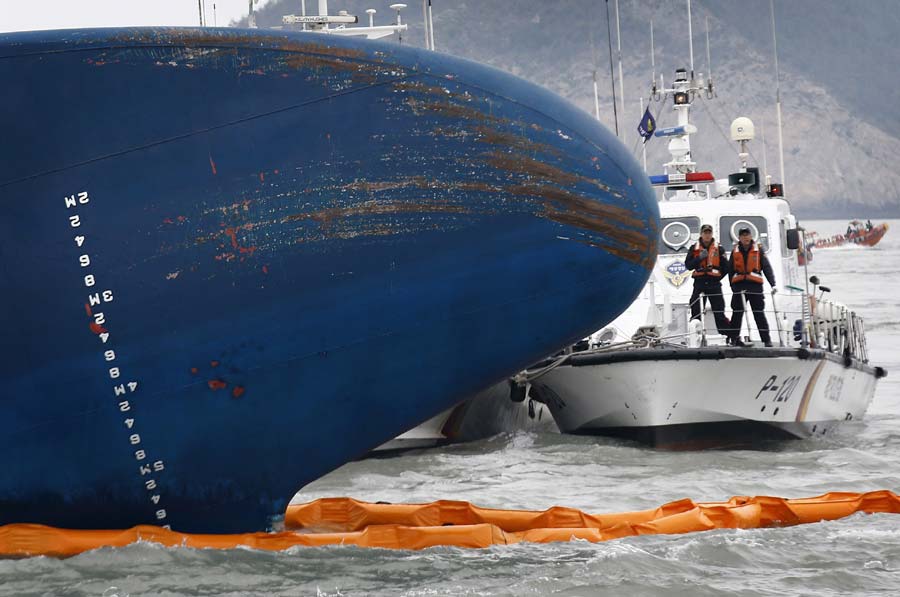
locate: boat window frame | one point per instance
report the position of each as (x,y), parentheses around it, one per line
(758,223)
(692,223)
(782,229)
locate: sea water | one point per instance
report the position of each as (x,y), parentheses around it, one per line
(859,555)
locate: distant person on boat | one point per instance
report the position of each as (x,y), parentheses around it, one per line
(709,262)
(748,264)
(868,225)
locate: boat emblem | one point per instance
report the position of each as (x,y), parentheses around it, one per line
(676,273)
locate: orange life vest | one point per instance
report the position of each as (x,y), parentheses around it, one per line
(746,271)
(710,265)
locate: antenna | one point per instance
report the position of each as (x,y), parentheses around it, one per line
(398,7)
(652,55)
(777,95)
(708,59)
(200,11)
(594,70)
(619,58)
(425,21)
(691,38)
(303,13)
(612,77)
(430,26)
(371,12)
(215,20)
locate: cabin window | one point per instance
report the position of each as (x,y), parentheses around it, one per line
(676,234)
(729,225)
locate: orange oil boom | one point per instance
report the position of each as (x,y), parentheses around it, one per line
(346,521)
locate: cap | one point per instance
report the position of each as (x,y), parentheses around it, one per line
(705,227)
(743,231)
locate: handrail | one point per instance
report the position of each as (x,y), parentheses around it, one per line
(825,324)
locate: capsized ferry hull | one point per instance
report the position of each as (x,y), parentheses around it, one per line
(232,259)
(703,397)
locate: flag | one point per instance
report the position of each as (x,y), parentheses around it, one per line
(647,125)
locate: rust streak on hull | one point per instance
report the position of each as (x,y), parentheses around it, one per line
(578,204)
(522,164)
(495,137)
(636,256)
(374,208)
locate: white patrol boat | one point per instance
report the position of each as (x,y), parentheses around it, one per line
(657,376)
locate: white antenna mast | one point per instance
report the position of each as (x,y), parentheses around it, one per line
(398,7)
(691,38)
(708,59)
(652,54)
(430,26)
(594,73)
(612,76)
(777,96)
(621,79)
(425,21)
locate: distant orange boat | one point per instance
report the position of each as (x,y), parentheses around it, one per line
(857,233)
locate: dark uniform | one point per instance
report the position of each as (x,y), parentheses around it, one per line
(708,272)
(747,269)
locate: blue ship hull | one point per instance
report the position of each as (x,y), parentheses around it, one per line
(235,260)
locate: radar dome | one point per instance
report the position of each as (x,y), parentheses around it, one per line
(742,129)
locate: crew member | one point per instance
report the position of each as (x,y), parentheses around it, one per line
(709,262)
(748,264)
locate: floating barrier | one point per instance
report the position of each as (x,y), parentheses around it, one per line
(345,521)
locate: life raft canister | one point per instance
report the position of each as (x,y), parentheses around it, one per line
(746,271)
(709,266)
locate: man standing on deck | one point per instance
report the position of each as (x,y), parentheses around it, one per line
(748,264)
(709,263)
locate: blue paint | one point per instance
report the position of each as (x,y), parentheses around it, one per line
(312,244)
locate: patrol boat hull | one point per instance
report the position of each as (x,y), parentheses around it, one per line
(232,259)
(704,397)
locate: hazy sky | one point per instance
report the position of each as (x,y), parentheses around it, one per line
(26,15)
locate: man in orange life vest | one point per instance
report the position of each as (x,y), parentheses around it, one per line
(709,263)
(748,264)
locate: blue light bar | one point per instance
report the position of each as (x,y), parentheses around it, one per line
(685,129)
(670,131)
